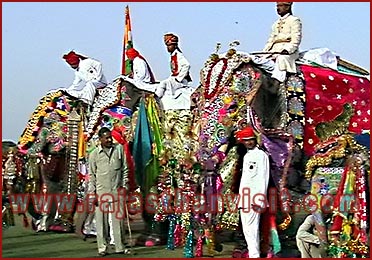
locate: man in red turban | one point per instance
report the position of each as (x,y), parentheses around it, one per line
(73,59)
(252,189)
(141,75)
(141,69)
(88,76)
(245,134)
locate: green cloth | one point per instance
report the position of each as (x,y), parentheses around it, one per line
(153,168)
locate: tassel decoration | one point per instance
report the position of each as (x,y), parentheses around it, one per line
(177,235)
(199,247)
(189,246)
(275,241)
(210,241)
(170,242)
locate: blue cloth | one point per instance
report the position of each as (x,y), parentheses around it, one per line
(142,144)
(363,139)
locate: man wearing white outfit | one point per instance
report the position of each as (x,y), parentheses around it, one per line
(141,76)
(88,76)
(252,189)
(284,41)
(175,91)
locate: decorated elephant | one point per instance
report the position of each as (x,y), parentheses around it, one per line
(235,91)
(61,133)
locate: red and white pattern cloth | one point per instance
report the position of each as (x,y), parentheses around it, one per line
(326,93)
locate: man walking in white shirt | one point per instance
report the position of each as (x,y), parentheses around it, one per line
(252,189)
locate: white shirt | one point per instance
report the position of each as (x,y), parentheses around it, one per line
(141,72)
(255,179)
(89,70)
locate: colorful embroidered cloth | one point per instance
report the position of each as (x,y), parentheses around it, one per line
(325,181)
(327,91)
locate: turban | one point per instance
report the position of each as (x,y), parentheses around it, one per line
(72,58)
(246,133)
(132,53)
(285,3)
(170,38)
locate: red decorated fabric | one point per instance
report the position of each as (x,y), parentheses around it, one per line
(174,65)
(71,58)
(326,93)
(117,135)
(246,133)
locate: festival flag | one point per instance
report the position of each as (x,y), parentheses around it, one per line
(62,107)
(118,112)
(127,43)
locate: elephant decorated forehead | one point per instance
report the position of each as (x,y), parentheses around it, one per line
(336,147)
(332,144)
(244,78)
(217,72)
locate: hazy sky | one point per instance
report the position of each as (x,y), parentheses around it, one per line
(36,35)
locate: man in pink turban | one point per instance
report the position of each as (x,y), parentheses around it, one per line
(88,76)
(252,189)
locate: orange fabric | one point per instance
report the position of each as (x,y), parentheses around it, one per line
(170,38)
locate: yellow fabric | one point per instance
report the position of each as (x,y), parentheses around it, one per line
(82,146)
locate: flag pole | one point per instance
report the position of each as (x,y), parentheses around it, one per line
(127,39)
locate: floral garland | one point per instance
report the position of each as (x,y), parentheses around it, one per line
(213,81)
(223,67)
(46,105)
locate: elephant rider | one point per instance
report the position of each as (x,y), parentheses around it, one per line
(141,76)
(282,47)
(285,39)
(175,91)
(88,76)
